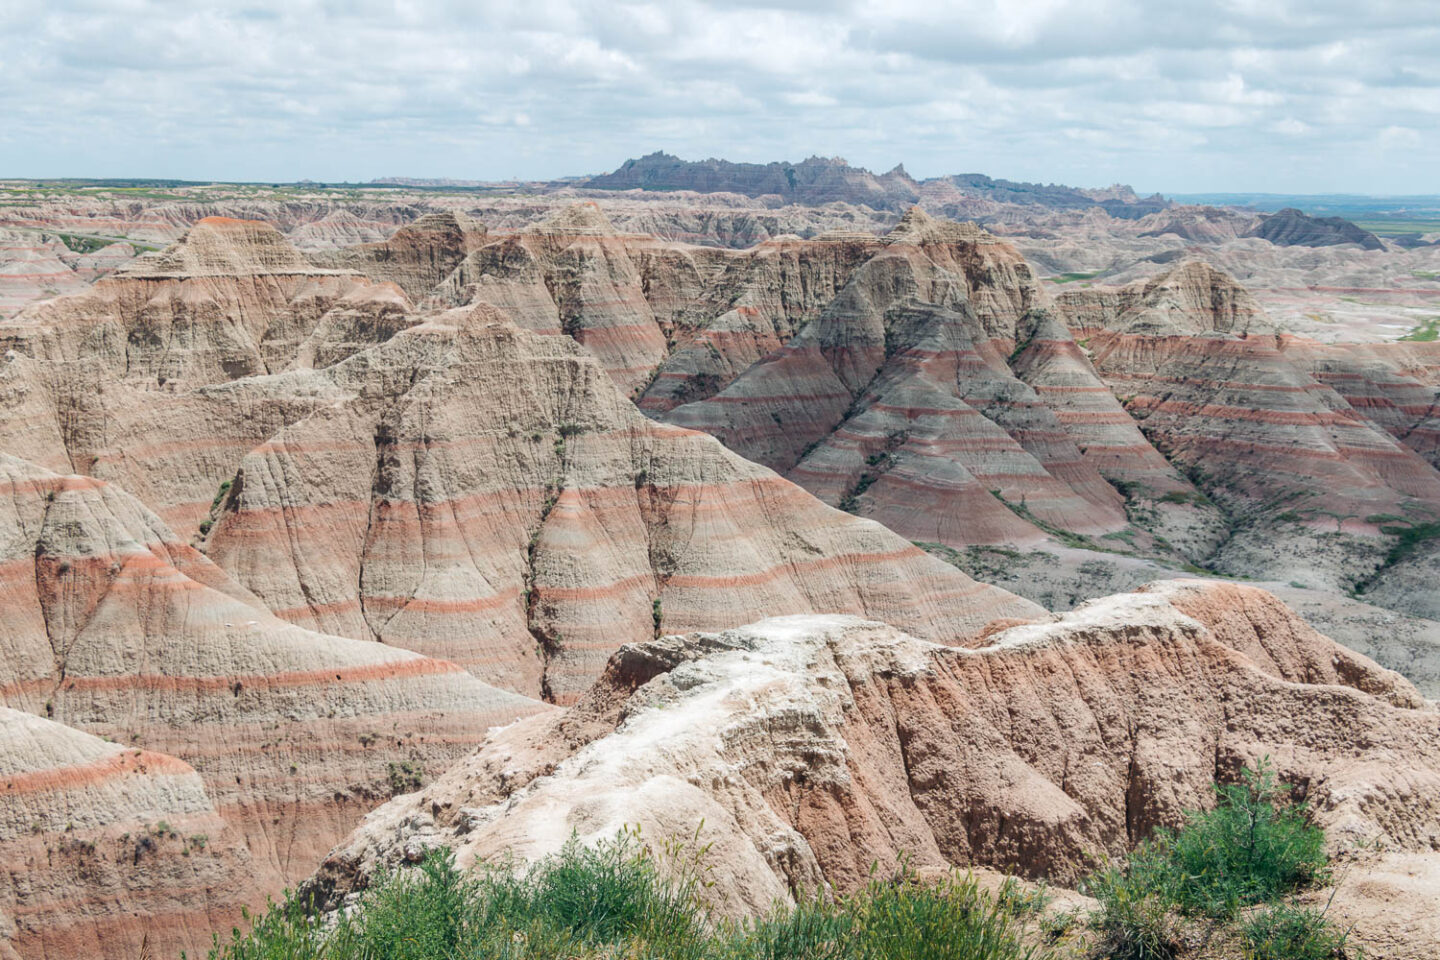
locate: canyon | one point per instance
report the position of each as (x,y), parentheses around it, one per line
(341,528)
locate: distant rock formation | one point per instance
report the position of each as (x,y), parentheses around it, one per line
(1190,299)
(826,180)
(816,180)
(1118,200)
(417,257)
(1293,228)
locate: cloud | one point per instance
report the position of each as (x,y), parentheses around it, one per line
(1284,95)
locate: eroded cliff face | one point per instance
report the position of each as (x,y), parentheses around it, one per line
(231,299)
(280,736)
(811,747)
(481,499)
(487,495)
(100,842)
(417,258)
(923,379)
(1309,449)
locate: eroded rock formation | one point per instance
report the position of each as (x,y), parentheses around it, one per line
(811,747)
(487,495)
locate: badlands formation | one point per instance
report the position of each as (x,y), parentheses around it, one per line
(545,522)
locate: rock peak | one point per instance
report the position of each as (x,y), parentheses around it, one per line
(917,226)
(223,246)
(584,219)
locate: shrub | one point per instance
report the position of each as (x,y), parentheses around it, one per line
(951,920)
(1136,900)
(1248,850)
(1288,932)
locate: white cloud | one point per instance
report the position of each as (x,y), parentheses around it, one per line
(1214,94)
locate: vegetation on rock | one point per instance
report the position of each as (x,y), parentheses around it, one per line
(1251,849)
(620,899)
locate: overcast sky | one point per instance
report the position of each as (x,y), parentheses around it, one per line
(1243,95)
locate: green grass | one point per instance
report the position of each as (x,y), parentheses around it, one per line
(1426,332)
(621,900)
(1409,539)
(1287,932)
(1072,277)
(1225,876)
(1396,228)
(81,244)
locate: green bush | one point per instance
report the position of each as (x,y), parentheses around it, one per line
(1250,849)
(1288,932)
(951,920)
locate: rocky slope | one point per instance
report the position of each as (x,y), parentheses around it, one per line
(101,843)
(898,400)
(417,257)
(233,468)
(276,737)
(487,495)
(36,265)
(444,483)
(1292,228)
(805,749)
(922,379)
(1306,474)
(126,381)
(681,323)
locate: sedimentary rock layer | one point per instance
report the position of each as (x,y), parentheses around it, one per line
(805,749)
(488,496)
(117,628)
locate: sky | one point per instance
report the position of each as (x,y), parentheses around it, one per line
(1206,95)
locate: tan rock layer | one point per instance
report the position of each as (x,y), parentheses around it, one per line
(507,508)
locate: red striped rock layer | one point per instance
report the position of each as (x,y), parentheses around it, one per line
(337,229)
(808,748)
(676,323)
(148,380)
(171,447)
(1396,386)
(898,402)
(1176,518)
(489,496)
(1282,451)
(232,299)
(941,427)
(571,274)
(116,628)
(1108,438)
(88,866)
(417,257)
(37,266)
(33,267)
(725,312)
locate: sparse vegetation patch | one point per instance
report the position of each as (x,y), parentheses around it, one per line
(620,899)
